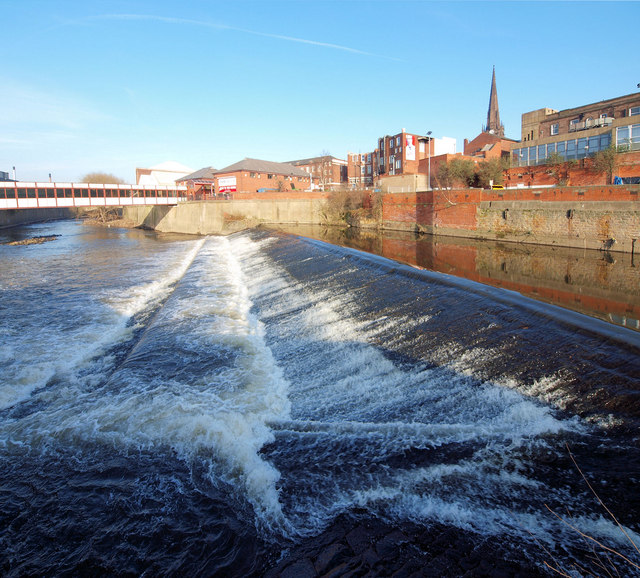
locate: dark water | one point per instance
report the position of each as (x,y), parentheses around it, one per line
(230,406)
(599,284)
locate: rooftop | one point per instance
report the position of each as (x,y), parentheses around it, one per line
(260,166)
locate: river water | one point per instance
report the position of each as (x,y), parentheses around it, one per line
(176,405)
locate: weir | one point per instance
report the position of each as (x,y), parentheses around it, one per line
(261,397)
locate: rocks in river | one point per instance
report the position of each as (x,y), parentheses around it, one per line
(34,240)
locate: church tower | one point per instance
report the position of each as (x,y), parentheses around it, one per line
(493,116)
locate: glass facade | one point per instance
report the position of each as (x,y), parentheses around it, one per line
(628,136)
(572,149)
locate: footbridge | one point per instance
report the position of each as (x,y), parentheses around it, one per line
(22,195)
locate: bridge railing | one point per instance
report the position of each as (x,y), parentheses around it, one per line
(21,195)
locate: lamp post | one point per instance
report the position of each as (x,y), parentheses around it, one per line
(429,162)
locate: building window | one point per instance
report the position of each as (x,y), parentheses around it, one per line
(554,128)
(398,164)
(628,136)
(634,110)
(573,123)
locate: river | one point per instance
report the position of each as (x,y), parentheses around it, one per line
(268,403)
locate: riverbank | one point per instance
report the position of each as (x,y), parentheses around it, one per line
(601,218)
(598,217)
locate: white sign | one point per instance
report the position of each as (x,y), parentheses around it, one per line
(227,185)
(410,148)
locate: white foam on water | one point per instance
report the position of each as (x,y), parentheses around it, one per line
(143,296)
(211,412)
(303,364)
(348,395)
(61,350)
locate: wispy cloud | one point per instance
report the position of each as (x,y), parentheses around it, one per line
(24,105)
(219,26)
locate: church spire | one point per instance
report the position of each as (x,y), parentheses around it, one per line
(493,116)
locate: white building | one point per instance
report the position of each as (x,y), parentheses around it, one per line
(163,174)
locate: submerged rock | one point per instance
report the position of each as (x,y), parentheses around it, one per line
(35,240)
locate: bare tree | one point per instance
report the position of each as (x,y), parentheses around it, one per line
(606,161)
(101,178)
(463,170)
(491,171)
(559,168)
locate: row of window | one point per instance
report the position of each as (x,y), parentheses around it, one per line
(51,193)
(625,136)
(628,136)
(569,150)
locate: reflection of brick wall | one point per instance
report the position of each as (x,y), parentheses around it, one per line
(592,284)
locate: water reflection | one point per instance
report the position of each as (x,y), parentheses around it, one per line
(598,284)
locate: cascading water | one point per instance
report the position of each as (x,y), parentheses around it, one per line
(173,406)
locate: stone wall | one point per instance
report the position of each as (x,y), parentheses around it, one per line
(14,217)
(603,217)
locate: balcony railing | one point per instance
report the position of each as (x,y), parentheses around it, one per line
(591,123)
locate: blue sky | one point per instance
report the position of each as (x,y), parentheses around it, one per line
(114,85)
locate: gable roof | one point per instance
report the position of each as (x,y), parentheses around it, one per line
(204,173)
(260,166)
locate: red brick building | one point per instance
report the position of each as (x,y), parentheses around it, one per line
(357,167)
(401,154)
(200,184)
(254,175)
(327,172)
(489,146)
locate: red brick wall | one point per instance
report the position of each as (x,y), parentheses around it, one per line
(280,195)
(589,217)
(246,183)
(582,174)
(457,208)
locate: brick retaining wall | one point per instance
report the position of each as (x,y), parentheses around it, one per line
(601,217)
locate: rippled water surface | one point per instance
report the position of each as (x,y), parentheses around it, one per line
(202,406)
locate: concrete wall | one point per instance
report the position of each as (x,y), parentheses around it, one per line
(14,217)
(224,217)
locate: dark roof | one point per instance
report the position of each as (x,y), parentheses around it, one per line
(205,173)
(259,166)
(322,158)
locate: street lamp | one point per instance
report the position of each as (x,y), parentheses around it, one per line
(429,157)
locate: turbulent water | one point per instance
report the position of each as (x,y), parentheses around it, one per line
(200,406)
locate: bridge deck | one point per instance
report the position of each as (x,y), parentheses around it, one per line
(17,195)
